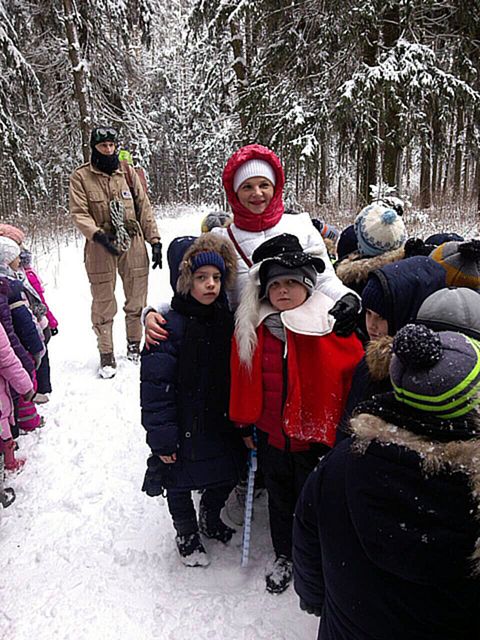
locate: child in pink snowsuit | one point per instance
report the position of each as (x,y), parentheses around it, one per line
(11,373)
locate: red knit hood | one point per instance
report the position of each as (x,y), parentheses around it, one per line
(243,217)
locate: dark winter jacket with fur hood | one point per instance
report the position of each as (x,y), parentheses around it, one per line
(354,269)
(185,390)
(386,533)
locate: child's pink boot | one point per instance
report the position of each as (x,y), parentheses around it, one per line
(8,450)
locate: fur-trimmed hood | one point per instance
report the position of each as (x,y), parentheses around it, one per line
(378,355)
(310,318)
(353,270)
(452,457)
(207,242)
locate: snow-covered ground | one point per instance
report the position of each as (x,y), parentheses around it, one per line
(85,555)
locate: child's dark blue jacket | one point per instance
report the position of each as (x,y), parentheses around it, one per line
(23,322)
(385,532)
(184,398)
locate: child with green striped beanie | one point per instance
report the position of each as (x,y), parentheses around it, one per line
(437,375)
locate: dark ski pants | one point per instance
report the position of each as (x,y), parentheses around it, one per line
(285,474)
(182,509)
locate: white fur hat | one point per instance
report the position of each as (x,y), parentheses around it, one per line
(253,169)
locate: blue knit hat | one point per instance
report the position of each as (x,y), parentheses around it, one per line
(347,242)
(373,297)
(210,258)
(378,230)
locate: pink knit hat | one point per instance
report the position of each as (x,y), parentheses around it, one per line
(14,233)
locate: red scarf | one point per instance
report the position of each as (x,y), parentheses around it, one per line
(243,217)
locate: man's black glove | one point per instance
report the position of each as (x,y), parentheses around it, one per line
(310,608)
(157,255)
(106,240)
(345,311)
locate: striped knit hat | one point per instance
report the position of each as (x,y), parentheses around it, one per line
(461,261)
(436,373)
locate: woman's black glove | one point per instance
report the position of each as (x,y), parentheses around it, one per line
(310,608)
(345,311)
(107,241)
(157,255)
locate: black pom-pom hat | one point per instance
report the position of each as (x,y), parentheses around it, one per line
(284,251)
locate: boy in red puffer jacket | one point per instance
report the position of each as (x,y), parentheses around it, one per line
(296,374)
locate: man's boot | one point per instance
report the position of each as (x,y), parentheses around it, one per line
(133,351)
(108,366)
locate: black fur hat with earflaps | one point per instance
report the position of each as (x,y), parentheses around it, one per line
(207,243)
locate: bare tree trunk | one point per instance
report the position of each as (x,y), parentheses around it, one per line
(448,163)
(457,176)
(391,124)
(79,76)
(339,174)
(368,156)
(323,187)
(240,70)
(426,171)
(477,182)
(436,155)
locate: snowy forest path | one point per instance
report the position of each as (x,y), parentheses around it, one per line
(85,554)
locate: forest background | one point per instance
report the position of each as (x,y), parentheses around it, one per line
(349,93)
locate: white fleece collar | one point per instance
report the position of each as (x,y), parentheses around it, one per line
(310,319)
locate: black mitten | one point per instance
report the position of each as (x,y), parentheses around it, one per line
(107,241)
(345,311)
(157,255)
(310,608)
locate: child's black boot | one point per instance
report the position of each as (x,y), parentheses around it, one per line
(212,526)
(191,550)
(278,579)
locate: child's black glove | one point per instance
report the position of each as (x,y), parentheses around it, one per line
(345,311)
(157,255)
(310,608)
(106,240)
(54,331)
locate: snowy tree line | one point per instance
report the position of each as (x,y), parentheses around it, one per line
(350,93)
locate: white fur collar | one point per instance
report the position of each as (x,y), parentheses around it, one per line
(311,318)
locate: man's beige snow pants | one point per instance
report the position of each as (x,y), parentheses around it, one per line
(102,269)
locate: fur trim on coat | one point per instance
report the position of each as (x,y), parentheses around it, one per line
(251,312)
(310,318)
(354,270)
(454,456)
(378,355)
(207,242)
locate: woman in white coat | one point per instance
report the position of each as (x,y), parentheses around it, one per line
(253,179)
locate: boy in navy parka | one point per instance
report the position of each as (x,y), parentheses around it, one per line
(184,399)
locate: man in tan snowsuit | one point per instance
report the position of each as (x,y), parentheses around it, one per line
(116,220)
